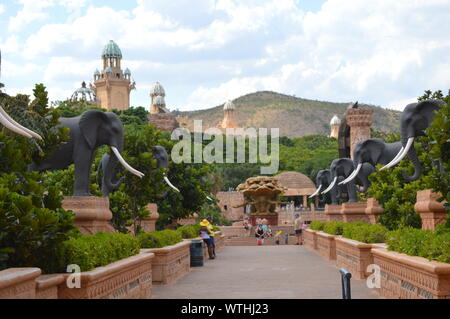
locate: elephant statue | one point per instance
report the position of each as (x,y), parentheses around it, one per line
(341,168)
(373,151)
(109,183)
(414,120)
(88,131)
(323,180)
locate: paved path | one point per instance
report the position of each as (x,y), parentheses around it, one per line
(263,272)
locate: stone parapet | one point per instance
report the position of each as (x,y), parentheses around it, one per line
(326,246)
(354,212)
(431,211)
(92,213)
(170,263)
(129,278)
(310,238)
(18,283)
(353,256)
(47,286)
(410,277)
(333,213)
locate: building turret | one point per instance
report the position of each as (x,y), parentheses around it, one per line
(334,124)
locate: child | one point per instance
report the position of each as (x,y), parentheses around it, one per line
(277,237)
(259,234)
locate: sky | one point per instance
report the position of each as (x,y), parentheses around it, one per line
(205,52)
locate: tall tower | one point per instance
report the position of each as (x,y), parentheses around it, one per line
(158,104)
(359,120)
(334,124)
(228,115)
(112,86)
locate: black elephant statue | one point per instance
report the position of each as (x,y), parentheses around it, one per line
(109,182)
(323,180)
(341,168)
(373,151)
(88,131)
(414,120)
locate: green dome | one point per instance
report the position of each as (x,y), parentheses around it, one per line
(112,50)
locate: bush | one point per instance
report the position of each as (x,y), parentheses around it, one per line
(423,243)
(189,231)
(159,239)
(365,233)
(334,228)
(317,225)
(92,251)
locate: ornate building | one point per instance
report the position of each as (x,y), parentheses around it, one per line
(112,86)
(334,124)
(160,116)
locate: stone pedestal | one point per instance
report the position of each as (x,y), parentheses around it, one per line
(431,211)
(149,224)
(333,213)
(373,210)
(272,220)
(92,214)
(354,212)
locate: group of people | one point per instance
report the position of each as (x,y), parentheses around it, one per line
(263,230)
(207,234)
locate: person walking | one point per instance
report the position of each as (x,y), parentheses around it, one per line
(205,235)
(298,228)
(211,235)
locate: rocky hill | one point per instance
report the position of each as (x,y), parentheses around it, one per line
(294,116)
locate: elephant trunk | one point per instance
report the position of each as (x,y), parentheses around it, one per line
(412,155)
(108,185)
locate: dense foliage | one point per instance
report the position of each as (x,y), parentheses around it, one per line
(189,231)
(362,232)
(160,238)
(92,251)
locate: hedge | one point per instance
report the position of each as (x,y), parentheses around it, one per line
(159,239)
(317,225)
(92,251)
(189,231)
(363,232)
(423,243)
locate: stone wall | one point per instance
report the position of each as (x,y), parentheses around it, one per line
(227,201)
(165,122)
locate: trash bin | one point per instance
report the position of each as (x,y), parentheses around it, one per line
(196,249)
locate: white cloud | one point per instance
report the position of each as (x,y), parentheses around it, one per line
(2,8)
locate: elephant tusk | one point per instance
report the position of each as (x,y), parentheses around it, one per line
(209,198)
(12,127)
(402,154)
(20,127)
(316,192)
(331,186)
(170,184)
(395,158)
(352,175)
(125,164)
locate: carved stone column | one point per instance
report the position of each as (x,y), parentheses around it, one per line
(431,211)
(333,213)
(92,213)
(360,121)
(354,212)
(373,210)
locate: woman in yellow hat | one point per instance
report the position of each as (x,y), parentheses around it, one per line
(205,234)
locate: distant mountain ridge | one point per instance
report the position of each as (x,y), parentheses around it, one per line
(295,117)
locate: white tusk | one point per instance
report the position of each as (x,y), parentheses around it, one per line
(403,154)
(170,184)
(125,164)
(316,192)
(331,186)
(13,122)
(395,158)
(353,175)
(11,126)
(208,198)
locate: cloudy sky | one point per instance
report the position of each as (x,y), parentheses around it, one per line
(205,52)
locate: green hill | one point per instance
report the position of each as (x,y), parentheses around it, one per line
(296,117)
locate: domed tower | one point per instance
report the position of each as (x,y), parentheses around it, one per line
(84,94)
(112,86)
(228,115)
(158,104)
(334,124)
